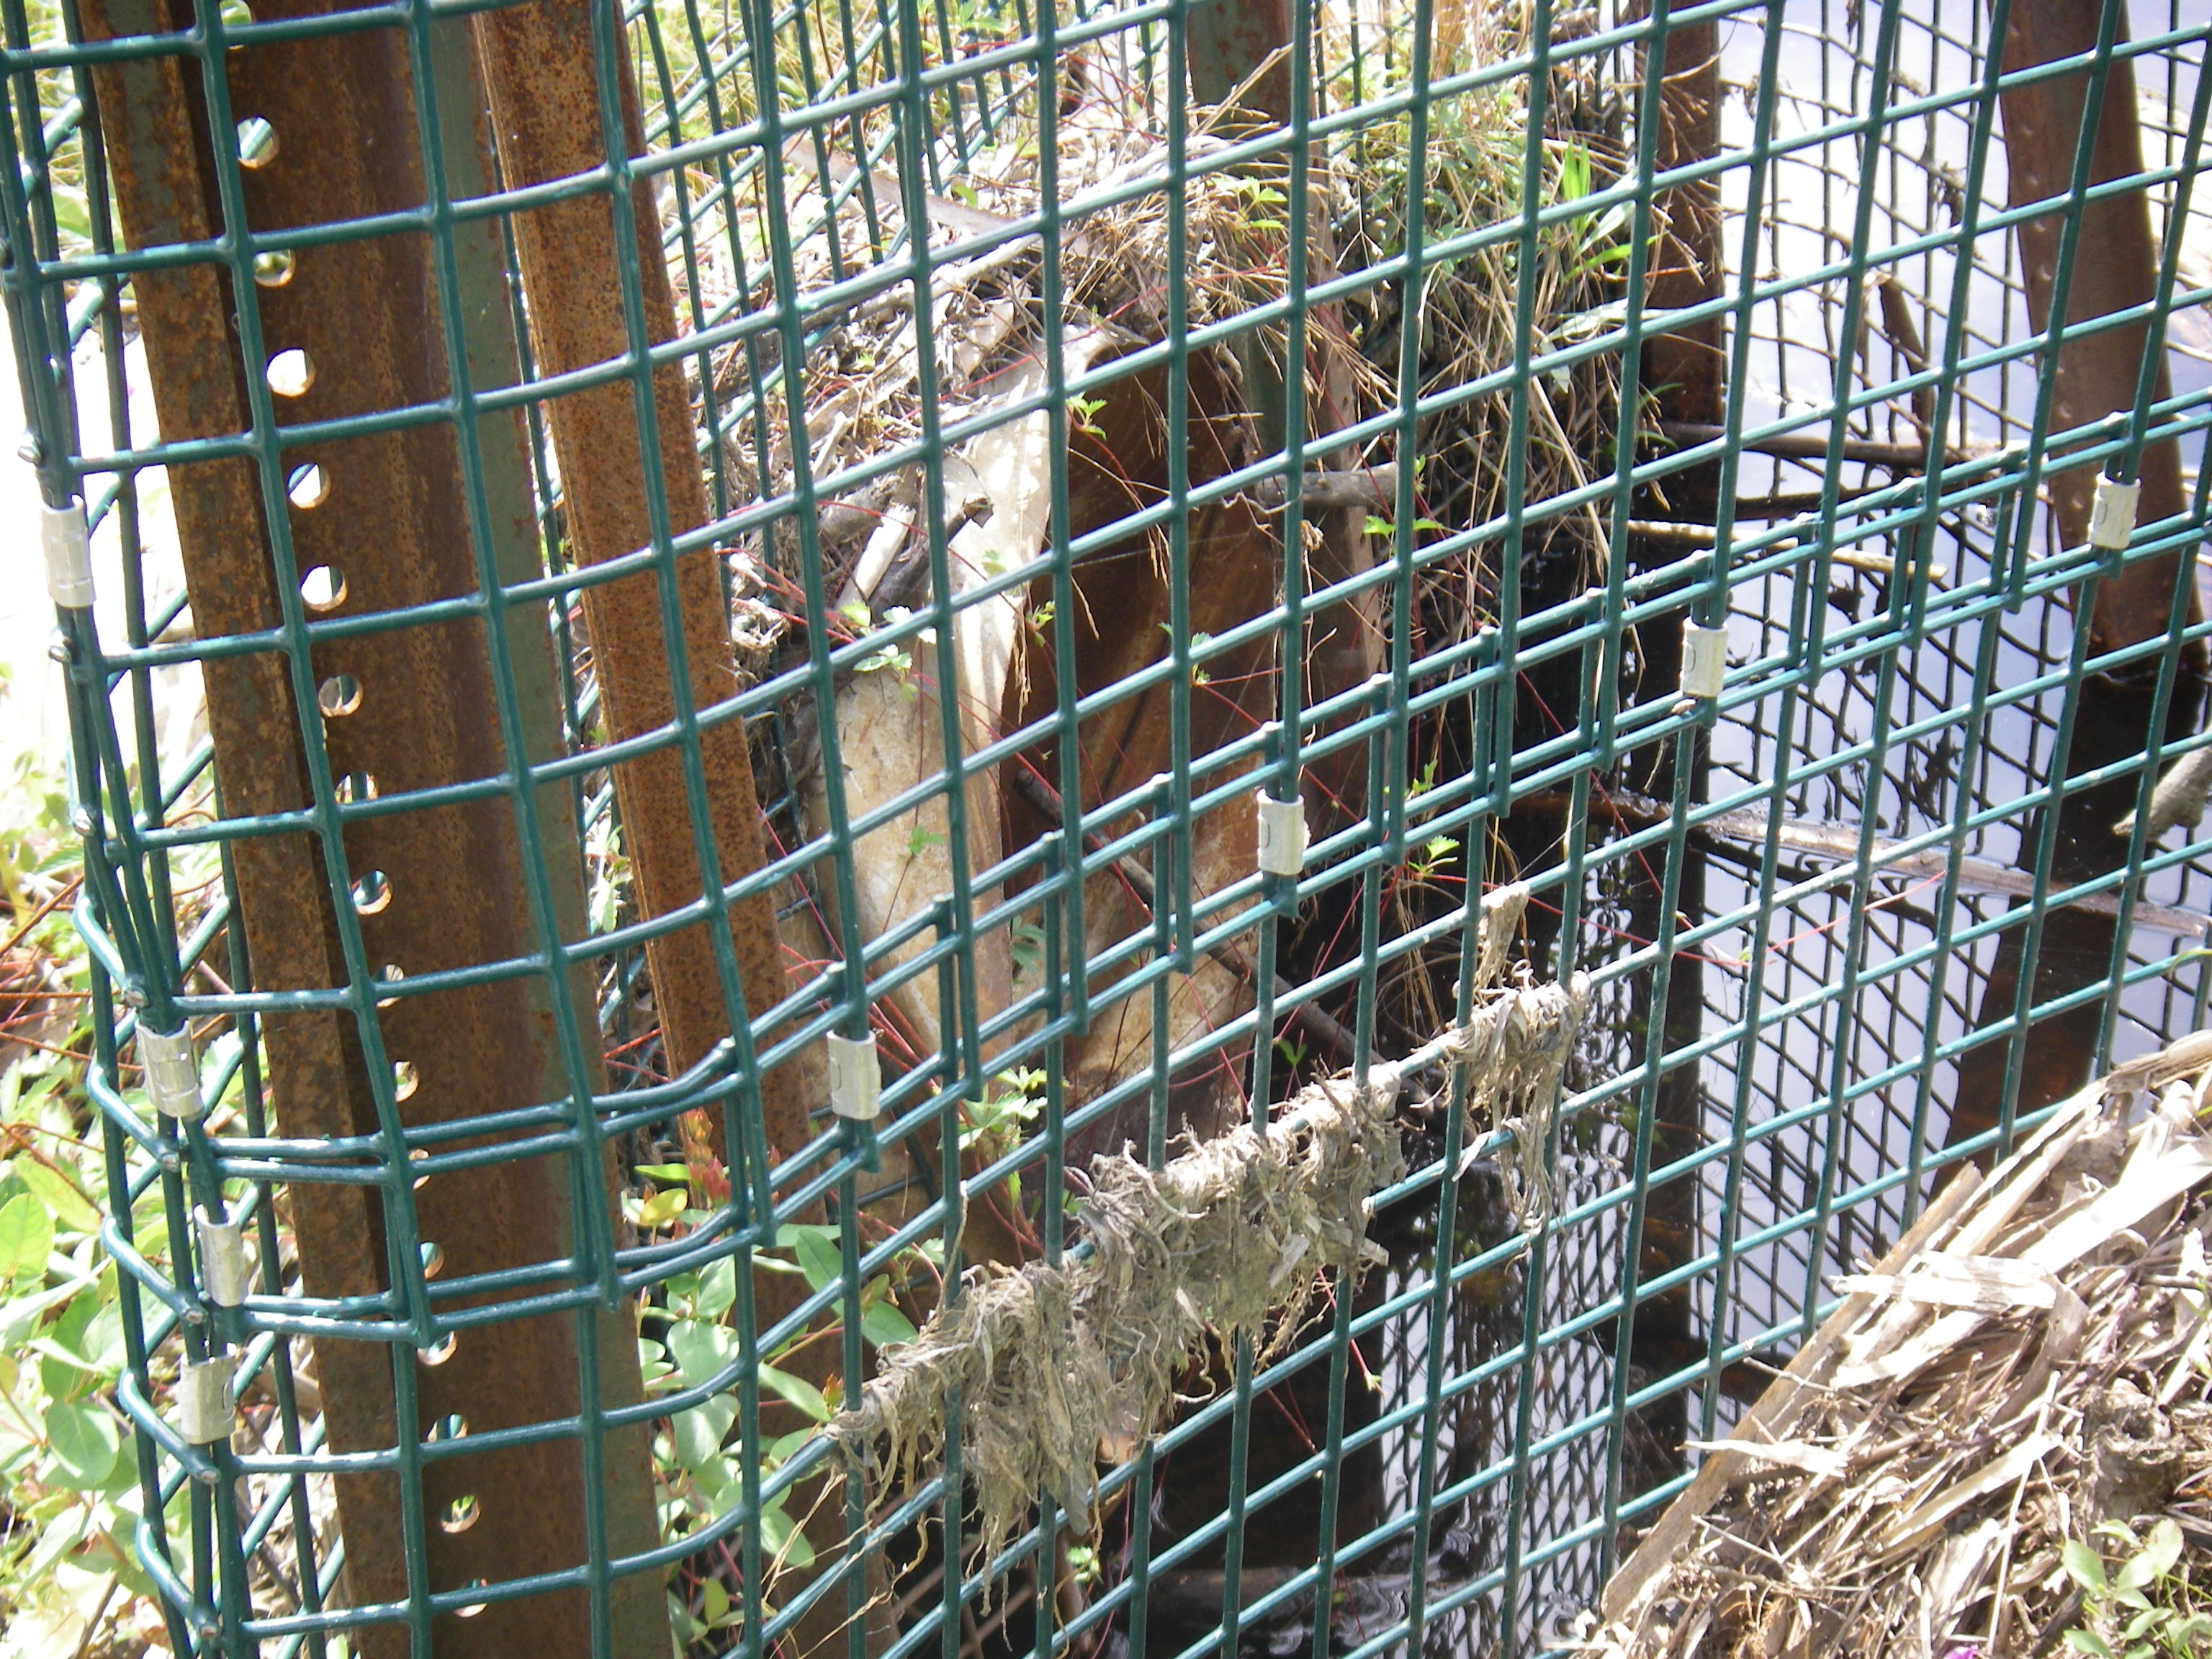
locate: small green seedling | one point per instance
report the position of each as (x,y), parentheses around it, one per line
(2142,1608)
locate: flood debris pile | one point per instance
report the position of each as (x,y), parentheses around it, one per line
(1051,1363)
(2002,1415)
(1058,1366)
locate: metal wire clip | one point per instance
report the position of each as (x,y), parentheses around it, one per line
(1282,835)
(2113,513)
(69,554)
(856,1080)
(223,1259)
(1704,659)
(205,1408)
(172,1074)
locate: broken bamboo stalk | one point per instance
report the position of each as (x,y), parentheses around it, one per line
(850,521)
(1814,446)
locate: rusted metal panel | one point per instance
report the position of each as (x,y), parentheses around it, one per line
(409,708)
(2115,270)
(1230,43)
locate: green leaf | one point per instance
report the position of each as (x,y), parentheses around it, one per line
(718,1289)
(665,1173)
(2130,1598)
(66,1375)
(688,1629)
(102,1341)
(56,1539)
(713,1602)
(700,1350)
(2141,1622)
(69,1207)
(663,1207)
(720,1482)
(16,1316)
(84,1443)
(797,1391)
(783,1540)
(2086,1641)
(1376,525)
(882,1323)
(27,1238)
(2162,1548)
(817,1257)
(697,1433)
(70,213)
(2087,1568)
(787,1446)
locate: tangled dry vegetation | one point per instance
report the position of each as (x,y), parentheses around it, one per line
(2001,1441)
(1155,240)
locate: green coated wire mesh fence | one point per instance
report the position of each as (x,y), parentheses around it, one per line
(763,692)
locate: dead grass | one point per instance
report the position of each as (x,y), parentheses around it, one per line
(2028,1367)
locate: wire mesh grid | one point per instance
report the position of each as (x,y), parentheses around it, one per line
(895,239)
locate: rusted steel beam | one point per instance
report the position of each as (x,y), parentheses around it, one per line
(544,69)
(2115,269)
(1232,39)
(157,172)
(405,709)
(542,73)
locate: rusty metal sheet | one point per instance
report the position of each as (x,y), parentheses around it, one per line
(1120,614)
